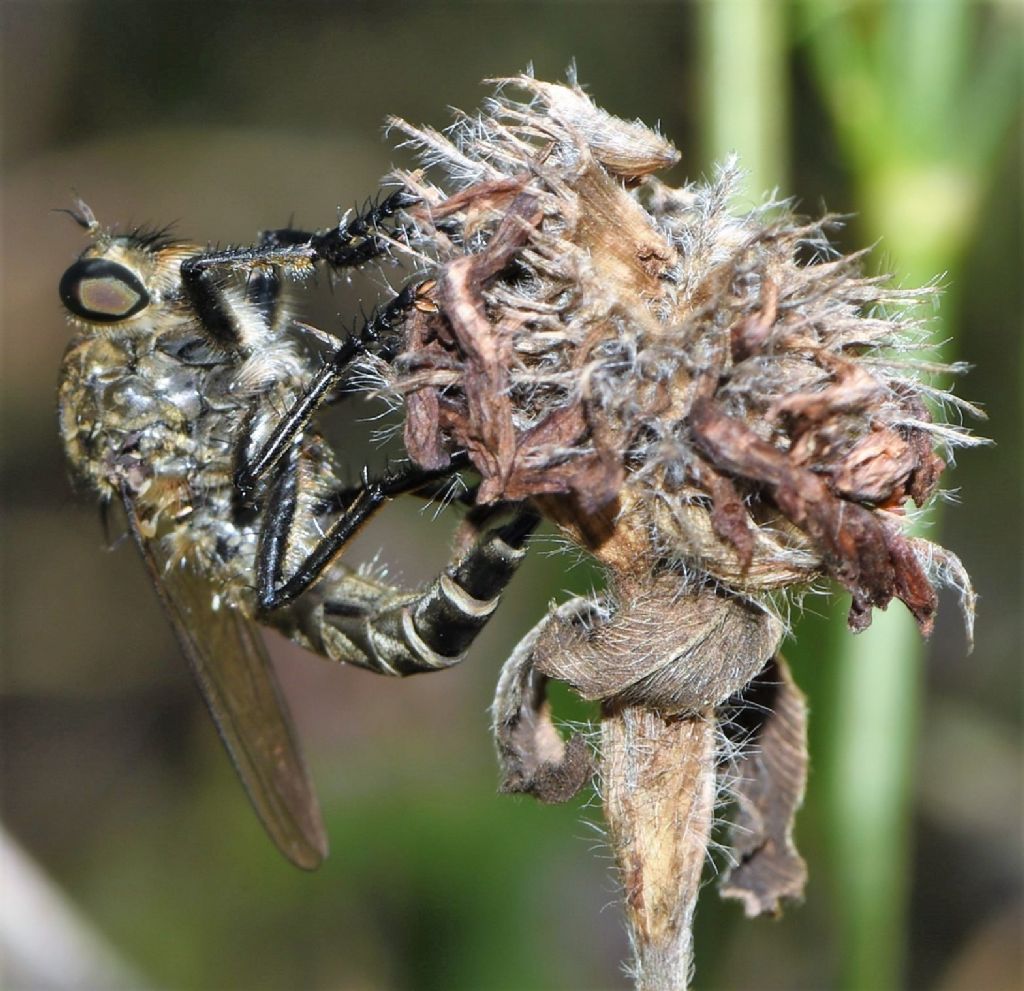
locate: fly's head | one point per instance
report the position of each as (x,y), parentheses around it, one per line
(127,407)
(123,283)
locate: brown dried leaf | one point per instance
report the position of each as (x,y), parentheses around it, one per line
(729,517)
(534,758)
(747,336)
(591,478)
(493,194)
(854,389)
(422,435)
(541,465)
(875,469)
(772,775)
(424,440)
(488,432)
(924,479)
(624,148)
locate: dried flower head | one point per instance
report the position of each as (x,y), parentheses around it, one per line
(718,406)
(727,385)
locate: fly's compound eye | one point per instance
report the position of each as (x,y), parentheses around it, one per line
(102,291)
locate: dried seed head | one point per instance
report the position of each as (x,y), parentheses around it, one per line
(719,396)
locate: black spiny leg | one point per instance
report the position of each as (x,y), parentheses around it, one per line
(273,589)
(286,250)
(376,626)
(344,247)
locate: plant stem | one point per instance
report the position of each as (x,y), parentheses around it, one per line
(658,775)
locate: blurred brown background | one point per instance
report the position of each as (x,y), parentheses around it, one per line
(230,117)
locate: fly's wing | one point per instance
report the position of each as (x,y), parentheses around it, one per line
(237,680)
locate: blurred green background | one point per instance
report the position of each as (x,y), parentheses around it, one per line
(230,117)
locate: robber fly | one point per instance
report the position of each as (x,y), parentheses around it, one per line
(186,396)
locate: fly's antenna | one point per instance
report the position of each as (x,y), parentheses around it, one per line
(80,212)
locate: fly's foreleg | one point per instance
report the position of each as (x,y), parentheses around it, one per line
(345,246)
(290,251)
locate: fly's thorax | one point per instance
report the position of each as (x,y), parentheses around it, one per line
(173,381)
(129,415)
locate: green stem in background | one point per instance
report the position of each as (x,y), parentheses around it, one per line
(921,106)
(876,710)
(745,101)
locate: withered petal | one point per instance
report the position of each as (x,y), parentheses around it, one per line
(875,468)
(869,557)
(729,517)
(424,440)
(854,389)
